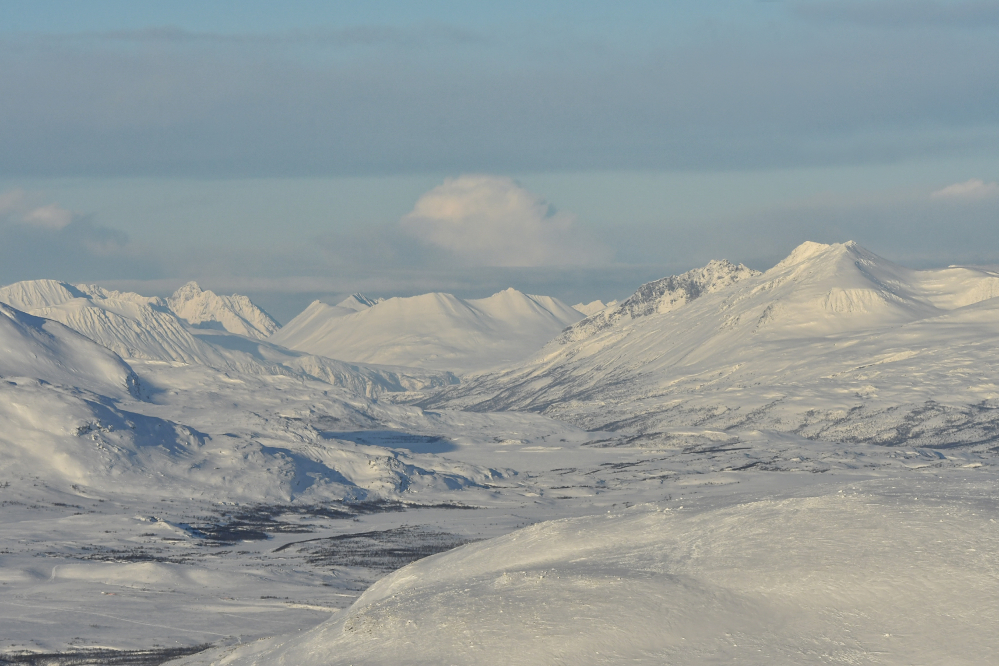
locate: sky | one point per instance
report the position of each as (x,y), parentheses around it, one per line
(577,149)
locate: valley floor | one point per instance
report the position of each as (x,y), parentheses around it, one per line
(117,568)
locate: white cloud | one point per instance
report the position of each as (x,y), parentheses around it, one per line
(17,208)
(971,189)
(493,221)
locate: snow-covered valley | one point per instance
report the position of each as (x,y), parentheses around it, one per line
(796,466)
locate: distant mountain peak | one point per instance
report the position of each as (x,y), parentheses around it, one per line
(593,307)
(434,330)
(812,251)
(358,302)
(188,291)
(236,313)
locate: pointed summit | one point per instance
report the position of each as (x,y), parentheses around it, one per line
(358,302)
(236,314)
(806,346)
(188,291)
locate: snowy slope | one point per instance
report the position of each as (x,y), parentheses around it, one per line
(73,412)
(131,325)
(437,331)
(36,348)
(834,342)
(849,577)
(313,317)
(236,313)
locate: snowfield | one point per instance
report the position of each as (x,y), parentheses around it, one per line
(795,466)
(855,576)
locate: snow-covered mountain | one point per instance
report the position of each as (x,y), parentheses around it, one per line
(593,307)
(131,325)
(145,328)
(436,331)
(232,499)
(236,313)
(74,412)
(834,342)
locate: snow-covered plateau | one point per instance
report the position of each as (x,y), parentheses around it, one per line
(795,466)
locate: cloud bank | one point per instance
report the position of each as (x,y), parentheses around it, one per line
(492,221)
(46,240)
(815,87)
(975,188)
(17,208)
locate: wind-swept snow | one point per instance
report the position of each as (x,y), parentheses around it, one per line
(435,331)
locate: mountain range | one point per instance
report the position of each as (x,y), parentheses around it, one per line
(433,331)
(787,466)
(834,343)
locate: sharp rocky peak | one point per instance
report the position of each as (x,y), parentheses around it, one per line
(662,295)
(190,290)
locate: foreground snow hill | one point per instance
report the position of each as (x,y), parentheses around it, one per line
(435,331)
(856,576)
(200,328)
(834,343)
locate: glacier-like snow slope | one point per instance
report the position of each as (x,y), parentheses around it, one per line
(149,328)
(833,343)
(864,575)
(435,331)
(236,313)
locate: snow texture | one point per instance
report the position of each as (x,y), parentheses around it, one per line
(851,577)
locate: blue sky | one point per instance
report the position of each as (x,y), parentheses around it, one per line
(275,149)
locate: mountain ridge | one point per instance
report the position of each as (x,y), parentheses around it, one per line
(435,330)
(236,313)
(825,344)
